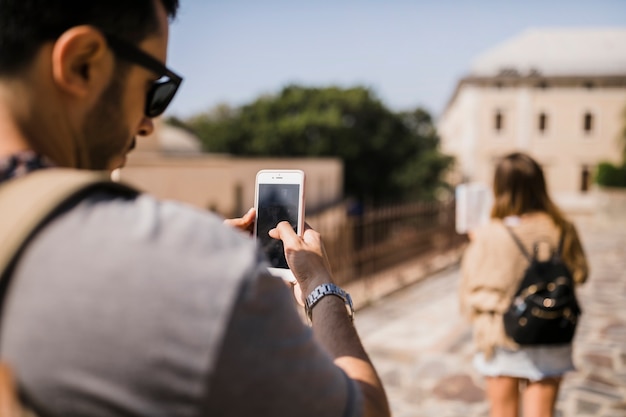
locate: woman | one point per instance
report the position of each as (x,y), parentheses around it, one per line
(492,269)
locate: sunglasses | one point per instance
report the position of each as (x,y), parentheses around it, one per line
(163,90)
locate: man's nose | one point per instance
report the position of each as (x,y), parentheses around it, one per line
(146,127)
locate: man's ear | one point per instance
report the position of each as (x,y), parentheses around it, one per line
(81,62)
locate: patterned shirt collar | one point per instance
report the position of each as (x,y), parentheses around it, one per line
(22,163)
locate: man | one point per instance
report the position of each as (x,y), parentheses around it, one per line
(127,306)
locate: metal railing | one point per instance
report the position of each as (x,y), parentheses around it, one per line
(381,238)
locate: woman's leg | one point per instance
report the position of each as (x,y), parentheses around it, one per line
(540,397)
(503,396)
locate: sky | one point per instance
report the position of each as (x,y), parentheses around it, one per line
(409,52)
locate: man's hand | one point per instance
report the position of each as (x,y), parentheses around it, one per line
(305,256)
(244,223)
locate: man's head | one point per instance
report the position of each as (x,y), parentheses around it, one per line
(87,72)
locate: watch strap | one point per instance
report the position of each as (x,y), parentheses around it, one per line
(322,291)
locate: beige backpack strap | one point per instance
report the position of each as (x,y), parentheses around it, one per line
(9,405)
(26,203)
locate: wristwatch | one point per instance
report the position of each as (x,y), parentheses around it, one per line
(322,291)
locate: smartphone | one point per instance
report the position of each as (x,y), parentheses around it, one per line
(279,196)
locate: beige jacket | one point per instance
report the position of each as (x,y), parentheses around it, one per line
(493,266)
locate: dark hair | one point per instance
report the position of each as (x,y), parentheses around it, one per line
(519,187)
(26,24)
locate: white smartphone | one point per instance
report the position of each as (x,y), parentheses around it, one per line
(279,196)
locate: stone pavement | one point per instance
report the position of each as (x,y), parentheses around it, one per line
(422,348)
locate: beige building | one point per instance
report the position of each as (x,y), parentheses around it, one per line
(558,94)
(171,165)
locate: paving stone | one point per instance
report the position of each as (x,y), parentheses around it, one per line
(432,370)
(605,395)
(587,407)
(620,406)
(460,388)
(601,381)
(392,378)
(602,361)
(616,331)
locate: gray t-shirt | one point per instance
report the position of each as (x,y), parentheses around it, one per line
(138,307)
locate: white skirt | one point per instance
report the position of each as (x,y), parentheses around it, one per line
(529,362)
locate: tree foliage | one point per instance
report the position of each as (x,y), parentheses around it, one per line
(611,175)
(622,137)
(387,156)
(614,175)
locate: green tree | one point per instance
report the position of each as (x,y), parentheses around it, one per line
(623,137)
(614,175)
(387,156)
(421,177)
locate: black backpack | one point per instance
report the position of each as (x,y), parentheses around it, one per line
(544,310)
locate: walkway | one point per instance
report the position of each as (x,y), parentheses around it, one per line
(422,348)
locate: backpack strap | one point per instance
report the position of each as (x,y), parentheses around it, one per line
(521,247)
(519,243)
(27,204)
(9,404)
(559,250)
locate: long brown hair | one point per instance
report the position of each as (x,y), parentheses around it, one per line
(519,187)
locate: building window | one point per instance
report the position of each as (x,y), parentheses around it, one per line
(543,122)
(499,121)
(585,178)
(588,122)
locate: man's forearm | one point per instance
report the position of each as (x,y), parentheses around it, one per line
(334,330)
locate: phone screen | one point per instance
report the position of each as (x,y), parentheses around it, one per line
(276,203)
